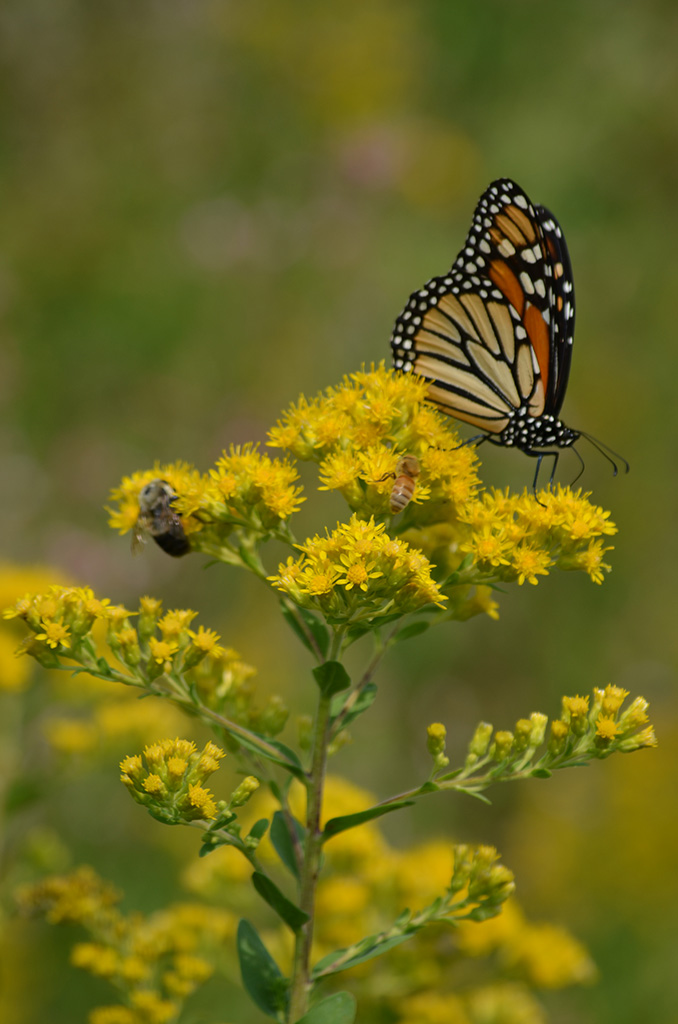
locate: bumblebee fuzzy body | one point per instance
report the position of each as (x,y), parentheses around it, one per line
(157,519)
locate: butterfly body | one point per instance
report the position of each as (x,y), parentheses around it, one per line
(494,335)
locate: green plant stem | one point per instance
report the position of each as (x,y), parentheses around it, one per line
(363,682)
(308,881)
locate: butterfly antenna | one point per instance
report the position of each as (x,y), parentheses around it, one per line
(607,453)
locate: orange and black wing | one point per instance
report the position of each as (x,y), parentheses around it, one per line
(494,335)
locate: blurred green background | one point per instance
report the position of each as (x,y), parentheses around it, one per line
(207,207)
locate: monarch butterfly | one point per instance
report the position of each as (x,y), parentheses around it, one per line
(405,483)
(494,335)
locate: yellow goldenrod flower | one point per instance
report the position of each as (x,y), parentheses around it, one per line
(253,487)
(206,641)
(529,563)
(174,624)
(606,728)
(154,785)
(612,699)
(162,651)
(358,431)
(203,801)
(358,567)
(176,766)
(54,634)
(168,779)
(575,707)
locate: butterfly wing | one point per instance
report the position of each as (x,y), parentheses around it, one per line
(494,335)
(561,307)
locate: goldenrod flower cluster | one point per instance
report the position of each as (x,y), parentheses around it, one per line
(155,962)
(359,571)
(586,729)
(358,433)
(606,724)
(358,430)
(168,779)
(159,644)
(364,886)
(16,580)
(247,491)
(61,619)
(520,537)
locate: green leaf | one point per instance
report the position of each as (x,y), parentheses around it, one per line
(324,967)
(288,758)
(261,975)
(319,632)
(331,678)
(474,793)
(541,773)
(363,702)
(339,1008)
(258,829)
(336,825)
(407,632)
(289,912)
(283,842)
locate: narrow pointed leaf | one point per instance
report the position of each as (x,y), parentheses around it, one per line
(325,967)
(364,701)
(289,912)
(336,825)
(287,759)
(261,975)
(283,842)
(339,1008)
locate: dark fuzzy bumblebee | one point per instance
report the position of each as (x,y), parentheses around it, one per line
(157,519)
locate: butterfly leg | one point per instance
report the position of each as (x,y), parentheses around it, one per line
(476,440)
(581,461)
(539,456)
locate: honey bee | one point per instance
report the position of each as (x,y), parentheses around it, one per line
(407,471)
(157,519)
